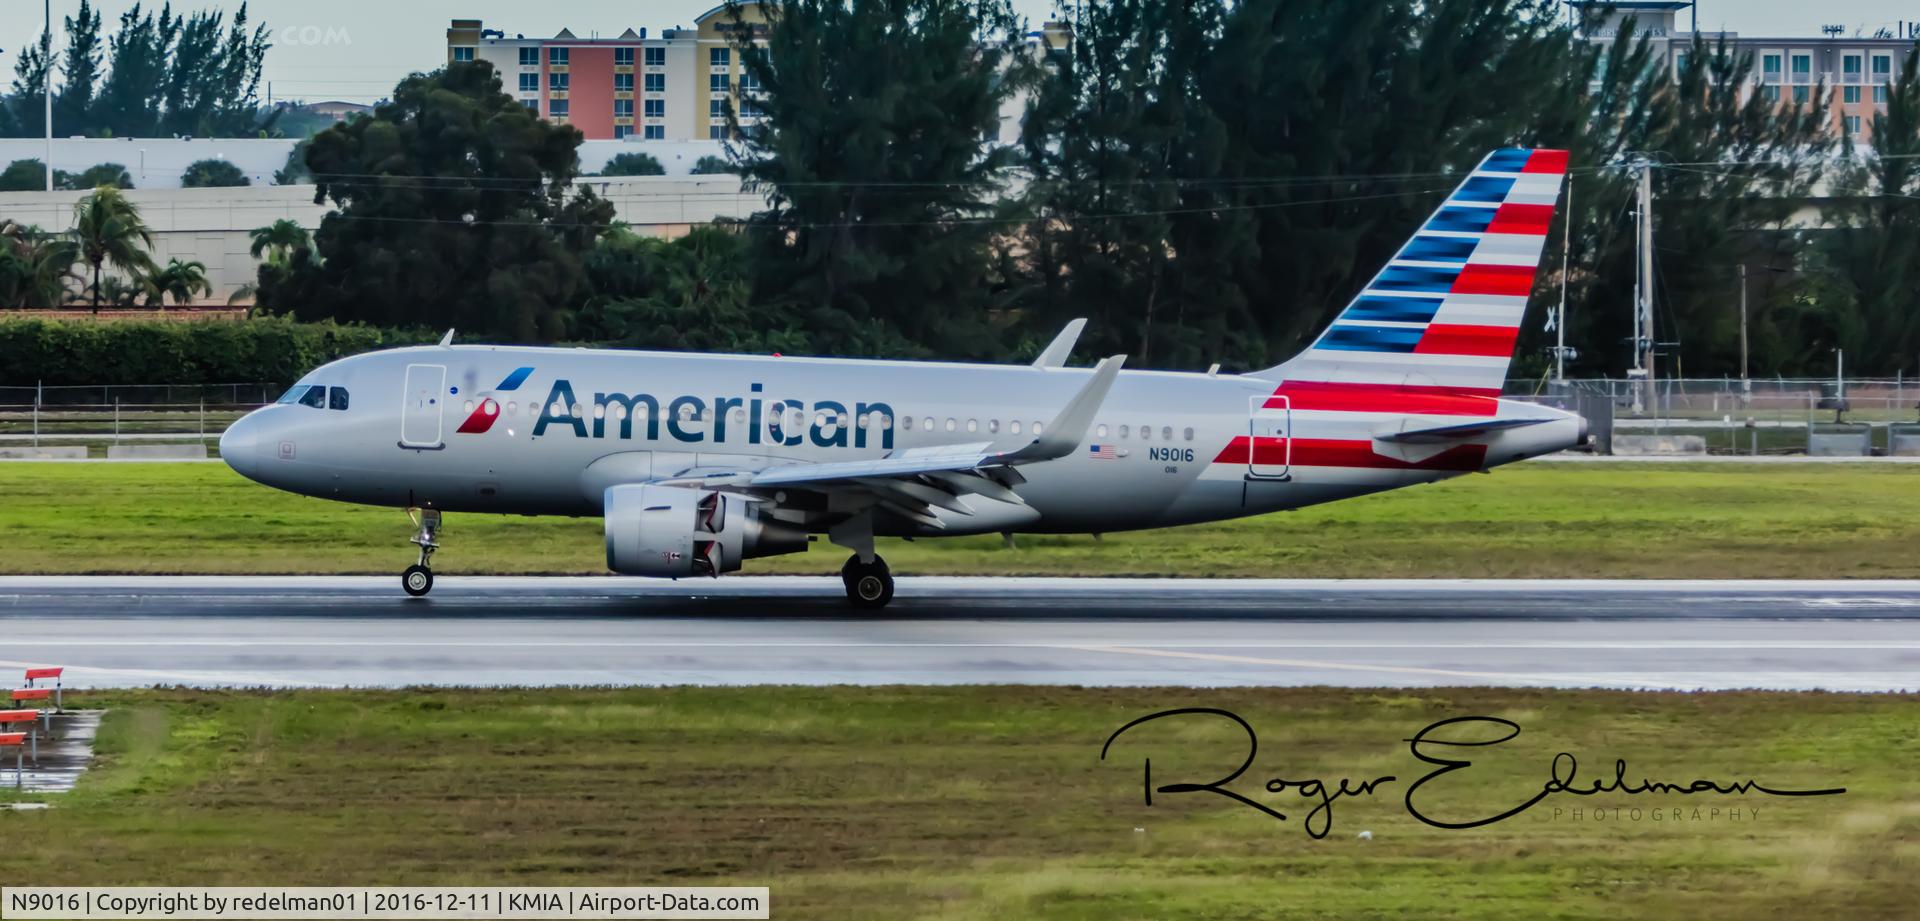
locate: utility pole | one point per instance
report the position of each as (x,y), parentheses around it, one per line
(1560,316)
(46,92)
(1746,381)
(1643,294)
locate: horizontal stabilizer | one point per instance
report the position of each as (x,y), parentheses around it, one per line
(1451,433)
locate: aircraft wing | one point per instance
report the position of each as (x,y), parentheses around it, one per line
(914,481)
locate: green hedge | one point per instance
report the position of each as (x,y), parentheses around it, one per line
(269,350)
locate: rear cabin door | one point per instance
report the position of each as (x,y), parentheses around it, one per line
(1269,438)
(420,406)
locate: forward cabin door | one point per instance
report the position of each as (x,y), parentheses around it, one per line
(1269,438)
(420,408)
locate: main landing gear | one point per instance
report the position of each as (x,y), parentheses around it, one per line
(869,585)
(418,578)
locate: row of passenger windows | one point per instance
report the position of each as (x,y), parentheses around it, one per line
(318,396)
(795,418)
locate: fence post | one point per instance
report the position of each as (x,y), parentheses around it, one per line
(39,388)
(203,419)
(116,420)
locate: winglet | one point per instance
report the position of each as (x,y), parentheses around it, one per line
(1065,433)
(447,339)
(1055,354)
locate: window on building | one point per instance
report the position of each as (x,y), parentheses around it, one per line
(1850,69)
(656,57)
(1770,68)
(1853,125)
(1680,61)
(716,108)
(622,132)
(533,104)
(559,81)
(529,57)
(1770,93)
(1880,94)
(655,133)
(623,57)
(719,57)
(463,53)
(1801,94)
(656,108)
(656,83)
(623,83)
(1882,68)
(718,83)
(623,108)
(750,108)
(529,83)
(1850,95)
(716,132)
(1803,68)
(749,82)
(557,56)
(558,108)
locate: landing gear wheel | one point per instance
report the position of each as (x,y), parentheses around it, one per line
(417,580)
(869,585)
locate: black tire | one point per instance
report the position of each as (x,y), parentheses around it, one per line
(417,580)
(869,585)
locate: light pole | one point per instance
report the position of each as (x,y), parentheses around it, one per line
(46,90)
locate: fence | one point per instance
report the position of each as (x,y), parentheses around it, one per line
(126,412)
(17,398)
(1774,416)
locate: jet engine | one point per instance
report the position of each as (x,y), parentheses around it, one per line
(675,531)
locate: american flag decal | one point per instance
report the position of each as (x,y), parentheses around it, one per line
(1102,452)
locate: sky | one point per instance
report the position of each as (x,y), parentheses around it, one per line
(356,50)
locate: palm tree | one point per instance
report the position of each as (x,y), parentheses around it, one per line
(108,229)
(118,292)
(180,280)
(279,240)
(34,266)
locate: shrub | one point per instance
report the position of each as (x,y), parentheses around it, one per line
(261,350)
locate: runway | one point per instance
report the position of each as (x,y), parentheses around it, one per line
(361,631)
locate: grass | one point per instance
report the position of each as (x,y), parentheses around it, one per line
(991,802)
(1532,520)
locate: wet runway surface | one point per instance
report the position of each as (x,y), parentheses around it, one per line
(362,631)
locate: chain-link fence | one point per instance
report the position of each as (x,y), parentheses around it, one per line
(1731,416)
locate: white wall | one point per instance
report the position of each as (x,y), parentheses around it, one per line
(157,163)
(212,226)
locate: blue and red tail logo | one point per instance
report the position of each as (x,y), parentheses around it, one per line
(488,409)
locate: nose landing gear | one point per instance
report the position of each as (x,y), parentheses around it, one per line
(869,585)
(417,580)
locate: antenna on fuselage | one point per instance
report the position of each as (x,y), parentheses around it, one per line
(447,339)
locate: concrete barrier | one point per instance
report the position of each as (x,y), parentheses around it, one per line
(1839,440)
(1903,439)
(63,452)
(157,452)
(1646,445)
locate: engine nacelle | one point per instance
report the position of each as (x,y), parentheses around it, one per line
(675,531)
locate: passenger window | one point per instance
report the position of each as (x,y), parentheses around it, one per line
(316,397)
(1125,431)
(1014,427)
(993,425)
(1037,428)
(1146,433)
(906,423)
(1188,434)
(337,398)
(1166,433)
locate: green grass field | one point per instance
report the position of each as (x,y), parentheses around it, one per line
(1533,520)
(987,803)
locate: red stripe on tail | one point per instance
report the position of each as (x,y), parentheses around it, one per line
(1412,399)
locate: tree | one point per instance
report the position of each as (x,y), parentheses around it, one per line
(451,211)
(26,105)
(79,71)
(209,174)
(690,293)
(178,280)
(278,241)
(93,177)
(34,266)
(633,164)
(129,103)
(711,165)
(24,176)
(880,189)
(108,229)
(295,171)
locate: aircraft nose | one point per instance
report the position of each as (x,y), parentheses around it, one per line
(239,445)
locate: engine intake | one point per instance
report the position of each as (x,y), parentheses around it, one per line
(674,531)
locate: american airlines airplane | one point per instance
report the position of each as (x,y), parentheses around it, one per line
(699,462)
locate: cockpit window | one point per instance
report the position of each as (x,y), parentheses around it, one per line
(293,394)
(316,397)
(337,398)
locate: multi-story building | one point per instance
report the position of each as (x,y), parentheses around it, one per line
(1853,73)
(672,87)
